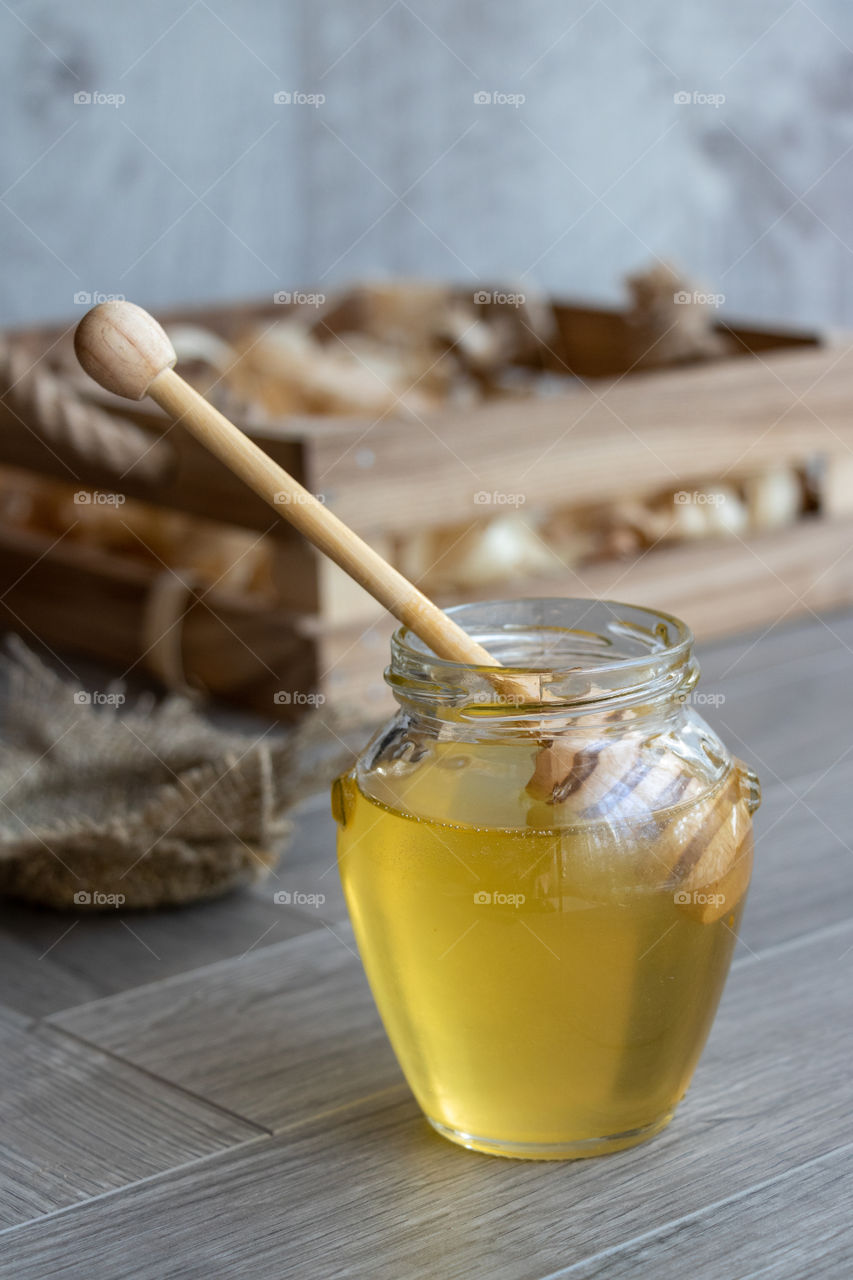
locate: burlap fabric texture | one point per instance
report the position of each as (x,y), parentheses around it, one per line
(146,806)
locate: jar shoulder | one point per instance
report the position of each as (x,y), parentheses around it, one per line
(614,771)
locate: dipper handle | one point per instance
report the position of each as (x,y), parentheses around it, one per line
(125,350)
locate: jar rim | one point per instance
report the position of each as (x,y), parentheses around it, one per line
(627,653)
(403,635)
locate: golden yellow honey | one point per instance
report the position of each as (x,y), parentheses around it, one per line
(547,989)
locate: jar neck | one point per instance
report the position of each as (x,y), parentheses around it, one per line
(588,665)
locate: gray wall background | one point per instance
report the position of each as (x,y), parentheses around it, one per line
(200,187)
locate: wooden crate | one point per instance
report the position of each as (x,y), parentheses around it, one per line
(613,434)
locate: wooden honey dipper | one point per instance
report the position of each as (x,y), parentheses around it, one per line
(125,350)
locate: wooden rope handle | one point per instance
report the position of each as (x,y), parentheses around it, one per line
(49,405)
(124,349)
(167,604)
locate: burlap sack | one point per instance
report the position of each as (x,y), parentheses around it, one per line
(145,806)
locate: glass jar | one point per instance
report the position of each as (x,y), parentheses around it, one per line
(546,892)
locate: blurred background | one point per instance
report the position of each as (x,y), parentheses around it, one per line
(719,138)
(542,300)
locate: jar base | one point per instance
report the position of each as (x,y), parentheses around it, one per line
(580,1150)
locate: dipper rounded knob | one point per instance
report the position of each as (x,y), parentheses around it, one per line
(123,348)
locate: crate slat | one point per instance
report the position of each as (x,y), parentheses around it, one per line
(198,483)
(646,434)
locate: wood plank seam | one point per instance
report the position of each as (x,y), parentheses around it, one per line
(395,1092)
(130,1186)
(697,1213)
(163,984)
(61,1032)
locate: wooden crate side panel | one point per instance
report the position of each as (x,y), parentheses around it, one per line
(80,600)
(837,488)
(310,583)
(722,586)
(77,601)
(641,435)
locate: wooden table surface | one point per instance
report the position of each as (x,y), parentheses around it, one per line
(209,1092)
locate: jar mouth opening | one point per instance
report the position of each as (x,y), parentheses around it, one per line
(580,650)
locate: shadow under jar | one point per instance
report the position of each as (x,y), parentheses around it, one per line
(546,894)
